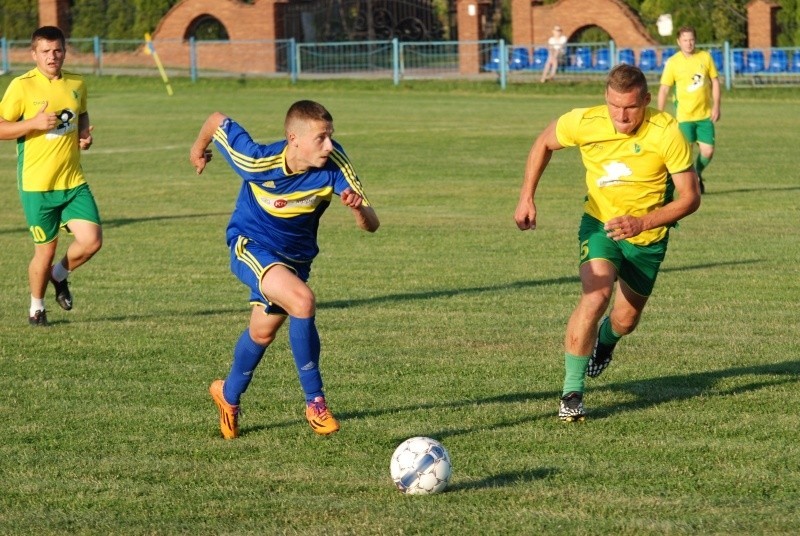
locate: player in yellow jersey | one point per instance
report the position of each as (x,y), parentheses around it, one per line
(697,96)
(44,110)
(636,159)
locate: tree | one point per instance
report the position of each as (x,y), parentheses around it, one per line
(18,18)
(148,13)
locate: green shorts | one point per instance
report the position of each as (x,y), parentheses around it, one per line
(46,212)
(702,131)
(636,265)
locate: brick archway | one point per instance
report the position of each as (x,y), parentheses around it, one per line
(533,24)
(242,21)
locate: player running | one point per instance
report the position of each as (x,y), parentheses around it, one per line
(45,111)
(272,236)
(635,159)
(697,96)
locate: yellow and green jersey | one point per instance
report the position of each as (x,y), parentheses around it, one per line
(626,173)
(47,161)
(692,80)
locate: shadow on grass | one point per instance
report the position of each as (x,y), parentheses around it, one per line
(649,393)
(121,222)
(655,391)
(504,479)
(447,293)
(750,190)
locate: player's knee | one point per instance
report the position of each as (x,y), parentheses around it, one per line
(262,336)
(596,301)
(624,324)
(305,306)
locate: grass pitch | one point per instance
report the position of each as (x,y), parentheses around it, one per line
(448,322)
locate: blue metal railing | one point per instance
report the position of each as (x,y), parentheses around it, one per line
(398,61)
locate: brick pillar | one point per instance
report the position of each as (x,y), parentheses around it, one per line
(54,13)
(469,30)
(522,22)
(761,26)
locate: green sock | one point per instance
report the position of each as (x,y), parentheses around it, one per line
(607,335)
(701,163)
(575,372)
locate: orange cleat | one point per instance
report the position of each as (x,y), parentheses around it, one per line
(320,418)
(228,413)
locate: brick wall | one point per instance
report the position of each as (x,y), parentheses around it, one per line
(533,24)
(259,20)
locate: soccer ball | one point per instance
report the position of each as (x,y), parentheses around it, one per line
(420,466)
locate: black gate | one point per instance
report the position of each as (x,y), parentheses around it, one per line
(319,21)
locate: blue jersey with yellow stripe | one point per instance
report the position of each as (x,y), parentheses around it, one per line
(276,208)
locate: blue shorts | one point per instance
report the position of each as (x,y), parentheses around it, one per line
(250,261)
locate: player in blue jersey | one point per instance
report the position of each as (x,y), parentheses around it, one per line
(272,236)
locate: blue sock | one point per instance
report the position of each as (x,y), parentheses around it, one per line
(246,357)
(304,340)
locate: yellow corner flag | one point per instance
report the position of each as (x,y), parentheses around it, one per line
(151,50)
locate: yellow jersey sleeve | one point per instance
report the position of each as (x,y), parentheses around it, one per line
(626,173)
(47,161)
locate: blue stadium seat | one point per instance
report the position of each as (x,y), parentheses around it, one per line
(539,58)
(754,61)
(716,55)
(519,59)
(648,61)
(667,53)
(626,55)
(602,59)
(778,61)
(494,60)
(738,61)
(583,59)
(795,65)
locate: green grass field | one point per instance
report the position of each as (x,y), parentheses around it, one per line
(447,322)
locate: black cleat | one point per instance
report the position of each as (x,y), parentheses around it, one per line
(571,407)
(601,358)
(39,319)
(63,295)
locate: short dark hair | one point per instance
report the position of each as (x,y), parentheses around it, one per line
(48,33)
(687,29)
(307,110)
(625,78)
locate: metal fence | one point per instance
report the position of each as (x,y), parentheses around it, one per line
(398,60)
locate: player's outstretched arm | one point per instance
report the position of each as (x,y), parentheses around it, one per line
(366,218)
(200,154)
(538,158)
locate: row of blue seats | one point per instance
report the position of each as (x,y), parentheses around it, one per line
(753,61)
(582,59)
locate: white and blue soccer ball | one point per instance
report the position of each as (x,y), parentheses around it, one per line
(420,466)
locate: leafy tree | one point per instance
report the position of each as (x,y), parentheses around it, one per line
(119,19)
(788,19)
(88,19)
(18,18)
(148,13)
